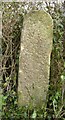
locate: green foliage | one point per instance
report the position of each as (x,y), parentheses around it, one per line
(56,101)
(12,24)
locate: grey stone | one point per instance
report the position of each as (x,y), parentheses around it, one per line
(34,61)
(0,63)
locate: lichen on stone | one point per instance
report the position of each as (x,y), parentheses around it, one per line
(34,61)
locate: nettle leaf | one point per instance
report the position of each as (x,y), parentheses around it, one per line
(62,77)
(60,25)
(57,95)
(25,115)
(34,114)
(4,97)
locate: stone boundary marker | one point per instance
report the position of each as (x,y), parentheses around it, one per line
(34,61)
(0,64)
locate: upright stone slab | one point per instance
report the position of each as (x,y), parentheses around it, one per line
(34,64)
(0,64)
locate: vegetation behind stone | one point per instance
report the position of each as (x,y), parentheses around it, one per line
(12,23)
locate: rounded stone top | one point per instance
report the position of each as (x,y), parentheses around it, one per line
(40,15)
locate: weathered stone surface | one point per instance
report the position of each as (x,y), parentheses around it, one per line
(0,62)
(34,64)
